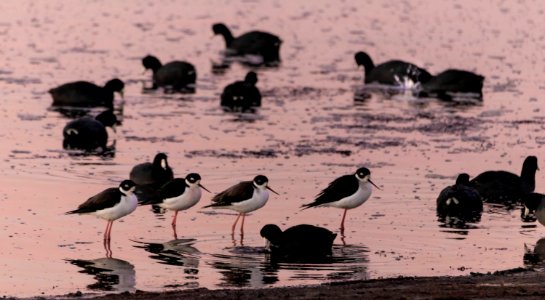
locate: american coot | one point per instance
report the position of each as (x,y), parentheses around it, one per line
(259,43)
(451,83)
(155,173)
(505,187)
(242,95)
(243,197)
(460,200)
(299,241)
(86,94)
(347,192)
(110,204)
(393,72)
(175,75)
(533,208)
(89,133)
(179,194)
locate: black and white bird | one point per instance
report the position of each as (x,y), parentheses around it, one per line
(264,44)
(298,241)
(506,187)
(86,94)
(179,194)
(451,84)
(242,95)
(175,75)
(89,133)
(393,72)
(460,199)
(154,173)
(243,197)
(346,192)
(110,205)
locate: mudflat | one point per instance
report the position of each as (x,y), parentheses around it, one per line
(509,284)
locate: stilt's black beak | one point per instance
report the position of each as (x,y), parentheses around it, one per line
(202,187)
(272,190)
(373,184)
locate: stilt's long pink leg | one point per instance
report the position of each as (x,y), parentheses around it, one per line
(174,219)
(342,222)
(107,231)
(242,226)
(235,224)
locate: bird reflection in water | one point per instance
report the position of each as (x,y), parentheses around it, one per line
(244,267)
(178,252)
(535,258)
(345,263)
(111,274)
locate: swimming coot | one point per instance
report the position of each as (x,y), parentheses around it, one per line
(447,84)
(460,199)
(89,133)
(175,75)
(299,241)
(86,94)
(242,95)
(393,72)
(260,43)
(506,187)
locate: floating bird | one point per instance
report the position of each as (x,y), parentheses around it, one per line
(505,187)
(156,173)
(298,241)
(393,72)
(86,94)
(347,192)
(460,199)
(179,194)
(259,43)
(110,204)
(89,133)
(242,95)
(450,83)
(177,75)
(533,208)
(243,198)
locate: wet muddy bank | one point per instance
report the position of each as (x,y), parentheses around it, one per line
(508,284)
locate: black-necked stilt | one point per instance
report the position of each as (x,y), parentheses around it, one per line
(86,94)
(110,204)
(243,198)
(155,173)
(506,187)
(347,192)
(179,194)
(298,241)
(447,84)
(460,199)
(260,43)
(393,72)
(89,133)
(242,95)
(533,207)
(175,75)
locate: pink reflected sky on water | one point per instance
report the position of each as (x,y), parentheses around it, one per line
(309,121)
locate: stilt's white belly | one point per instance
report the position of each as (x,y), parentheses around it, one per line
(362,194)
(258,200)
(126,206)
(184,201)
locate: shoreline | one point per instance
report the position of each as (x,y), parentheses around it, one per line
(508,284)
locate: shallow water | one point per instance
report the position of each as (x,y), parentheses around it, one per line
(308,132)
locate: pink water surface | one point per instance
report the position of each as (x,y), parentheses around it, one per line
(308,132)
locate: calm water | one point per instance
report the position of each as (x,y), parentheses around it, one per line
(308,132)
